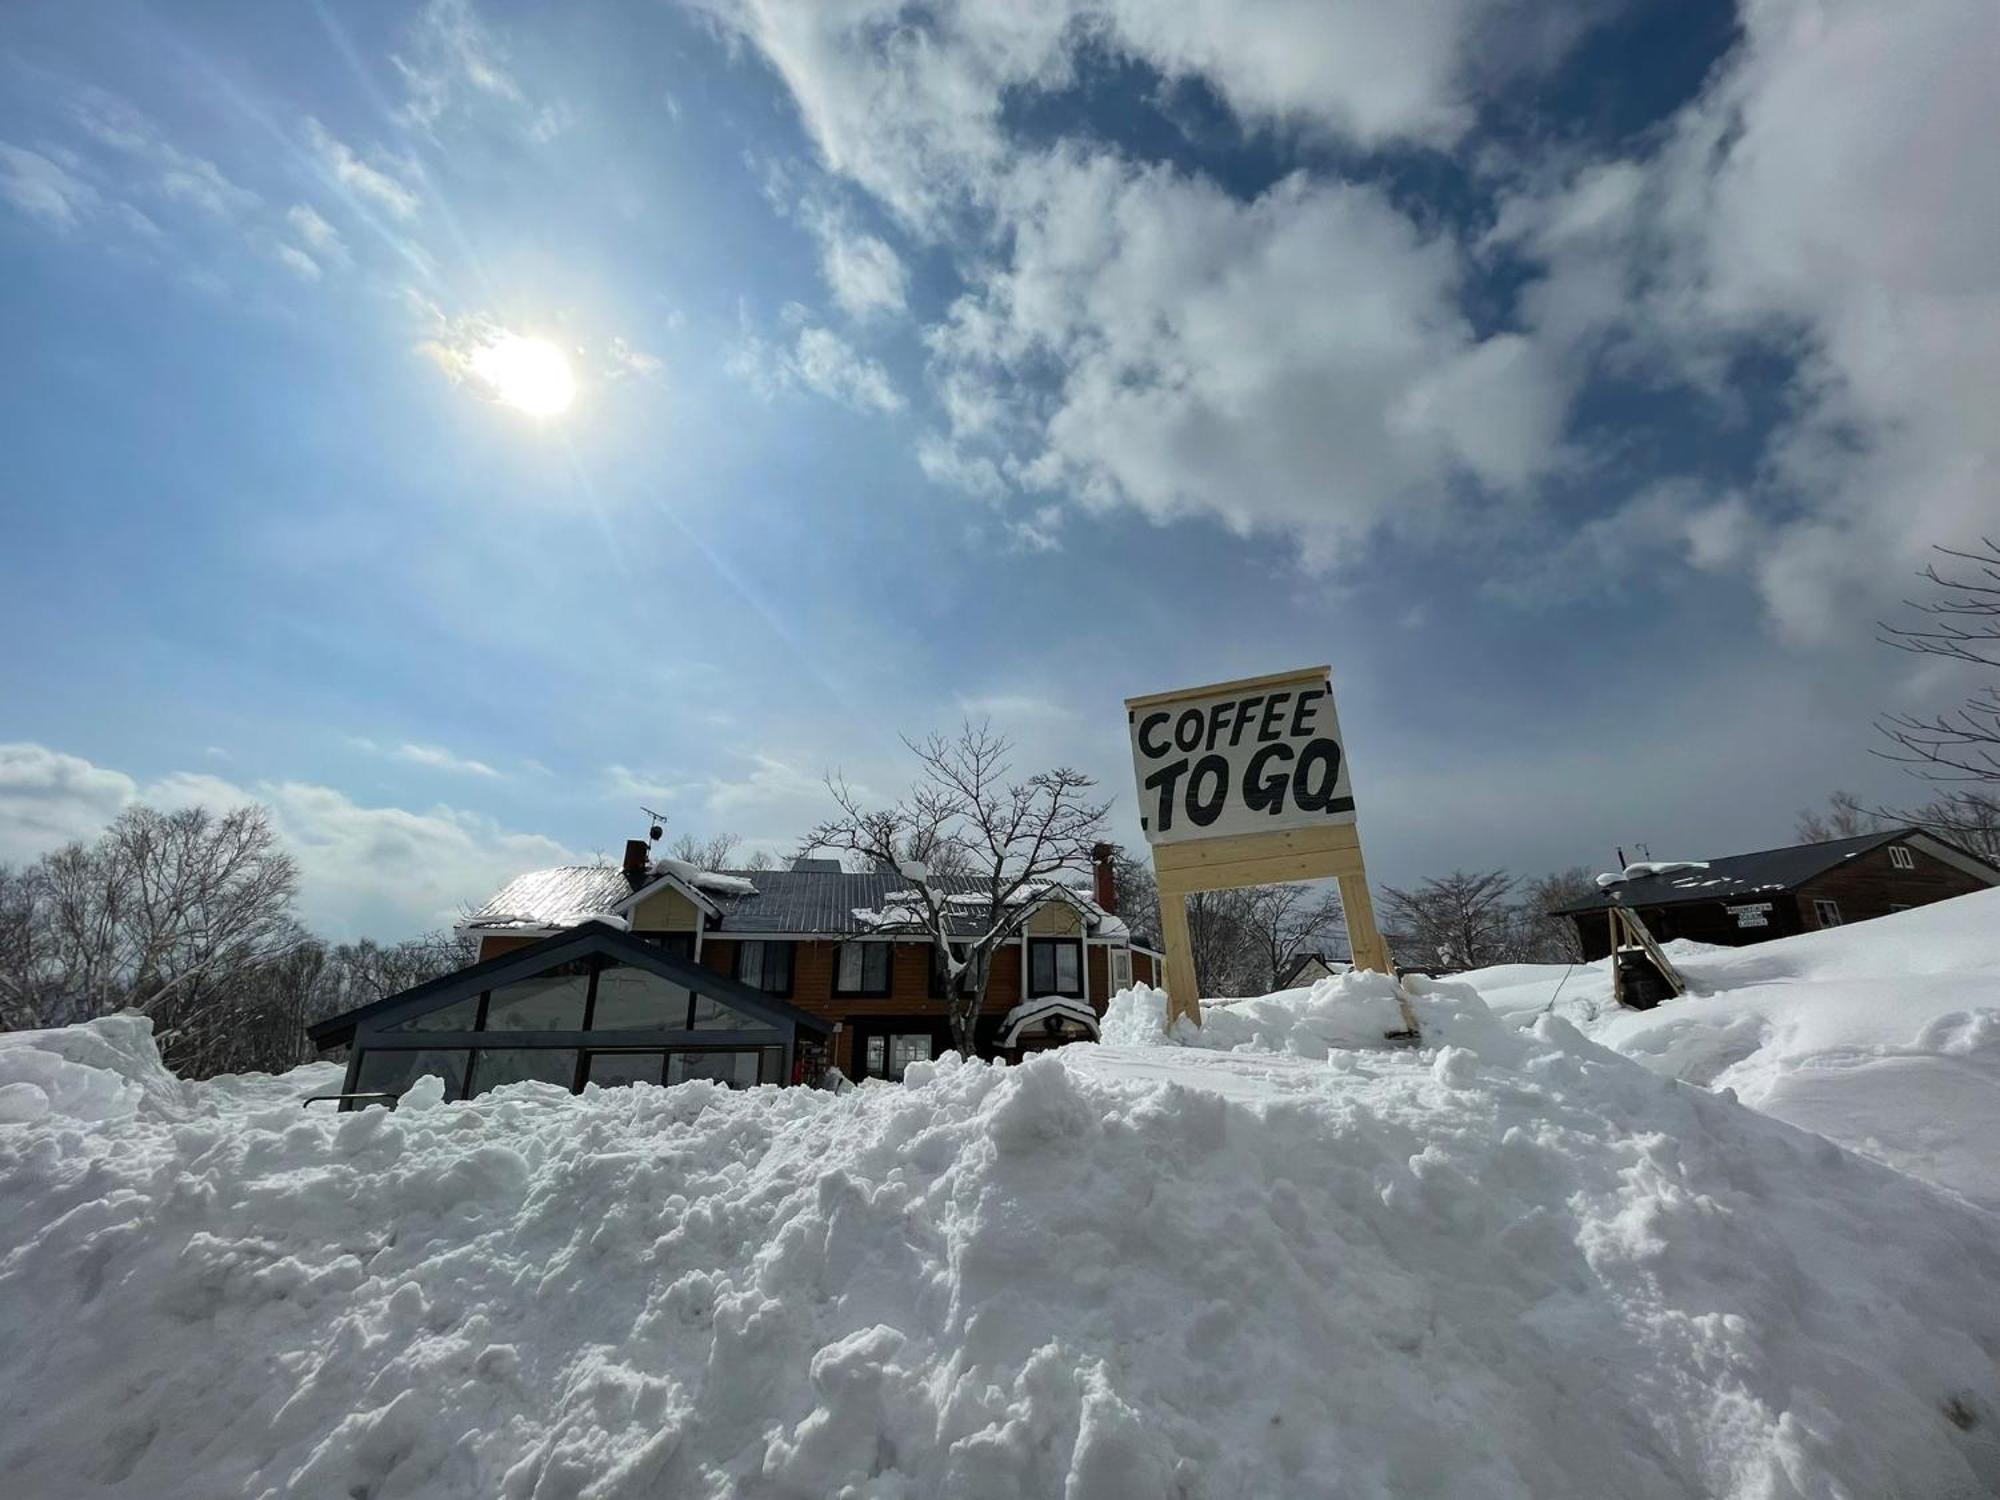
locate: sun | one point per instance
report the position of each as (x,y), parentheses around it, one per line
(528,374)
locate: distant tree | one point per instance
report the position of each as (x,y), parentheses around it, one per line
(1138,894)
(966,815)
(1540,938)
(1465,919)
(1844,817)
(1960,622)
(1284,922)
(1965,816)
(1219,941)
(712,853)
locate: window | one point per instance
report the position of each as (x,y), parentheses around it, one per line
(861,969)
(548,1002)
(738,1070)
(673,944)
(765,966)
(876,1064)
(1055,967)
(1827,912)
(610,1070)
(494,1067)
(1121,969)
(630,999)
(1899,856)
(904,1050)
(460,1015)
(391,1070)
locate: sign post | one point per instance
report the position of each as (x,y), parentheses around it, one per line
(1246,783)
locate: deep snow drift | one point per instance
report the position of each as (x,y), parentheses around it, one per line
(1884,1036)
(1508,1264)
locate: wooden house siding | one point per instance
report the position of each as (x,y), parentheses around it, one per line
(1871,885)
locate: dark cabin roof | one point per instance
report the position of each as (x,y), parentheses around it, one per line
(820,899)
(1737,877)
(591,938)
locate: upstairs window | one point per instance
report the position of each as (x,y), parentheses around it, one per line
(765,966)
(1828,912)
(861,969)
(1055,967)
(1900,857)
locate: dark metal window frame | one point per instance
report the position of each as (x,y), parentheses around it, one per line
(866,991)
(1035,945)
(765,947)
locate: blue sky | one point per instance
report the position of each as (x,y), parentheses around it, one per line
(1581,381)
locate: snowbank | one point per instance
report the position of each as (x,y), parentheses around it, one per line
(1883,1035)
(1514,1264)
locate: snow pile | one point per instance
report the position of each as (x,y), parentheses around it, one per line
(1515,1264)
(1355,1009)
(1884,1035)
(1639,869)
(713,881)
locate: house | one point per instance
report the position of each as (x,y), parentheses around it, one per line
(659,970)
(1747,898)
(1310,968)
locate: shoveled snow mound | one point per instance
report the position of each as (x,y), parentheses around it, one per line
(1884,1035)
(1515,1265)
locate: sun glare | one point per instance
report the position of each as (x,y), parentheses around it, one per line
(527,374)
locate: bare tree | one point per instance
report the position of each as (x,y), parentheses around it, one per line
(1545,939)
(966,824)
(1466,920)
(712,853)
(1284,922)
(1844,817)
(1219,942)
(1964,816)
(1961,623)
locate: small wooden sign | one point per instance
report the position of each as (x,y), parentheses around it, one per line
(1246,783)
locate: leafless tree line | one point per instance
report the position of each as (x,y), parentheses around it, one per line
(188,917)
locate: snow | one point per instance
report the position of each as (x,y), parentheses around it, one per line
(1883,1035)
(713,881)
(1028,1012)
(1641,868)
(1274,1256)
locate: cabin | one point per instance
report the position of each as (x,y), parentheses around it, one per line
(1770,893)
(1309,968)
(660,971)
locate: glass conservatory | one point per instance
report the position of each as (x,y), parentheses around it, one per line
(589,1006)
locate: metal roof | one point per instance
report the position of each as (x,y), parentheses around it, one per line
(1737,877)
(819,899)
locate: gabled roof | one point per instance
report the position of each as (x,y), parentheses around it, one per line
(1745,877)
(1330,964)
(588,939)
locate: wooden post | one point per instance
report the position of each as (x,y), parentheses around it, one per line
(1183,997)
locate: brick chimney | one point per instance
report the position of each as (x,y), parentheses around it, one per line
(1104,877)
(638,861)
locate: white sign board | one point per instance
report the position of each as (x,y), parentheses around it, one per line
(1256,757)
(1757,914)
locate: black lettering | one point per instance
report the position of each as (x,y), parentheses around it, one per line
(1266,795)
(1206,811)
(1187,730)
(1268,728)
(1167,778)
(1216,713)
(1242,717)
(1146,726)
(1303,712)
(1322,756)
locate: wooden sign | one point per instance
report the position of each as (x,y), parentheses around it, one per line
(1246,783)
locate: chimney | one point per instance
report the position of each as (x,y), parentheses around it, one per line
(1103,877)
(638,860)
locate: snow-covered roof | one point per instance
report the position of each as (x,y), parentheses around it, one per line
(1033,1012)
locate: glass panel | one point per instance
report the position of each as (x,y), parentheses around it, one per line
(389,1070)
(875,967)
(906,1049)
(460,1015)
(1041,968)
(548,1002)
(849,974)
(712,1015)
(777,968)
(737,1069)
(611,1069)
(750,964)
(631,999)
(772,1068)
(1066,968)
(494,1066)
(878,1056)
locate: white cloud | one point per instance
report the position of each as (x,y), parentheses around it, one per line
(43,189)
(298,262)
(622,359)
(378,187)
(866,277)
(437,758)
(453,60)
(1229,359)
(817,360)
(319,238)
(381,871)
